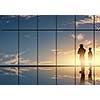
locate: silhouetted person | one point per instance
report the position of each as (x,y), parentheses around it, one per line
(81,52)
(90,63)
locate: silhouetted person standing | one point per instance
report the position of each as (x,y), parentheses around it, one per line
(81,52)
(90,63)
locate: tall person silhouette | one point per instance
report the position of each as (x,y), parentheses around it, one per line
(81,52)
(90,55)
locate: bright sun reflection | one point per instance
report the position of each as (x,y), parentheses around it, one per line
(70,59)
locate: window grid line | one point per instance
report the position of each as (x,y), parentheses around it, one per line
(56,49)
(37,53)
(75,48)
(94,47)
(42,66)
(51,29)
(18,52)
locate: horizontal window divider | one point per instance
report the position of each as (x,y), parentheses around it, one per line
(45,66)
(49,30)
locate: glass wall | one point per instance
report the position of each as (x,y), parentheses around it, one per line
(44,49)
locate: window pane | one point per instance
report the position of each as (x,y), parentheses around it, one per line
(88,80)
(84,22)
(28,47)
(46,76)
(28,22)
(65,22)
(46,47)
(65,46)
(47,22)
(28,76)
(65,76)
(9,47)
(97,22)
(97,57)
(8,22)
(8,75)
(78,76)
(97,48)
(97,73)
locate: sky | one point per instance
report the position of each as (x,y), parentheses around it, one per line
(46,39)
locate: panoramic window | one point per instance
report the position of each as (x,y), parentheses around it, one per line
(49,49)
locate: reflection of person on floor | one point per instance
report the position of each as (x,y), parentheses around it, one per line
(90,64)
(81,52)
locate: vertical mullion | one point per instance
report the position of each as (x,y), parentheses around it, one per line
(56,48)
(37,51)
(94,47)
(18,51)
(75,49)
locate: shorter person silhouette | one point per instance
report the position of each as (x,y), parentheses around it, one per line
(90,63)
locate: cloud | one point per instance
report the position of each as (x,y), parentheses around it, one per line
(59,51)
(33,37)
(27,36)
(79,36)
(15,16)
(8,58)
(46,62)
(27,16)
(61,76)
(25,70)
(11,61)
(54,51)
(62,52)
(14,70)
(88,43)
(88,20)
(8,71)
(7,19)
(46,69)
(26,61)
(97,21)
(9,55)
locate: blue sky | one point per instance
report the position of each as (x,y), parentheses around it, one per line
(28,39)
